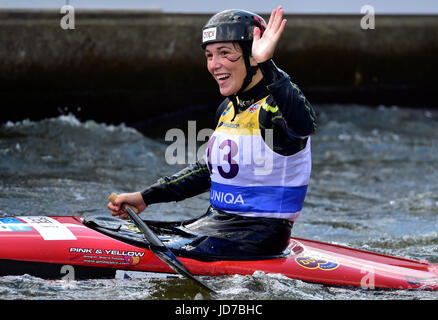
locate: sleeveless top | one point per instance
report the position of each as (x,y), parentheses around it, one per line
(247,177)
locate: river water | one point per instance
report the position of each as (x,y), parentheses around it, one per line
(373,186)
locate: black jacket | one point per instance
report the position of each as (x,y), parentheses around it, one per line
(290,116)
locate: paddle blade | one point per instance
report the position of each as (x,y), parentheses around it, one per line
(171,260)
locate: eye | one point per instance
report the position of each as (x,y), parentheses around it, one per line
(224,53)
(208,55)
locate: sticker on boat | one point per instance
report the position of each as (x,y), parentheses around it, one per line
(316,263)
(13,224)
(49,228)
(128,274)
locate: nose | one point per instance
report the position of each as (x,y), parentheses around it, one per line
(214,62)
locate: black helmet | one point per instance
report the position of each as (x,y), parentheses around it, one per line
(235,25)
(232,25)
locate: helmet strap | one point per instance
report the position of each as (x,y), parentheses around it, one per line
(250,70)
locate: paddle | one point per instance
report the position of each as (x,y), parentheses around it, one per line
(157,247)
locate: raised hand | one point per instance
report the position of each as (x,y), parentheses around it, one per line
(263,47)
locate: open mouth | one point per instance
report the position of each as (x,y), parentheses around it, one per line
(222,77)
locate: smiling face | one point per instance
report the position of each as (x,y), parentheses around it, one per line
(226,64)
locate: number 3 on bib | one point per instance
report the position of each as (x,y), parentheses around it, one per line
(228,158)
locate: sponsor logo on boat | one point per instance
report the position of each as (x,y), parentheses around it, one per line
(422,282)
(316,263)
(48,228)
(106,256)
(13,224)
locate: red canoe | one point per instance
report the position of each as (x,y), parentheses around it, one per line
(64,247)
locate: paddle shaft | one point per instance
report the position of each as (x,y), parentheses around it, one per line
(157,247)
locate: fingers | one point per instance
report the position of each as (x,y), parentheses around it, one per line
(117,211)
(124,216)
(282,26)
(263,47)
(113,207)
(116,207)
(271,18)
(134,200)
(276,19)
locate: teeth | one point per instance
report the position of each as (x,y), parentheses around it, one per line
(222,76)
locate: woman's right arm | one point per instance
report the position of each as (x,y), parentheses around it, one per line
(189,182)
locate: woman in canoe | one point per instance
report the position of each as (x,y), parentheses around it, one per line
(258,161)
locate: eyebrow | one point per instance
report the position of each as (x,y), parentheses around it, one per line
(219,48)
(222,47)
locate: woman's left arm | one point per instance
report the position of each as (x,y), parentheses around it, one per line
(293,106)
